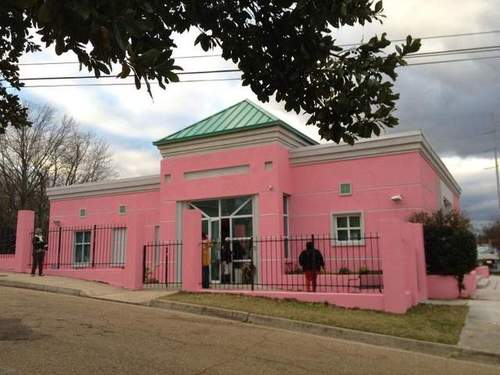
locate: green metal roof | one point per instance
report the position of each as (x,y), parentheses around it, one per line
(241,116)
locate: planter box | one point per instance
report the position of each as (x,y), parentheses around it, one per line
(446,287)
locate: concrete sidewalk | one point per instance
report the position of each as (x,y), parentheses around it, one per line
(78,287)
(482,328)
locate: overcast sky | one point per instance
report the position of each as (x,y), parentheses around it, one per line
(453,103)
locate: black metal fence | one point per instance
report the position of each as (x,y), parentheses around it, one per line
(284,263)
(162,264)
(7,242)
(97,246)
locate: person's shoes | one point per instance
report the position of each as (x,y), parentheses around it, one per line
(41,274)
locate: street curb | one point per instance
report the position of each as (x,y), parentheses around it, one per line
(441,350)
(44,288)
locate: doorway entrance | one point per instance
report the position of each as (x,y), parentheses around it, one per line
(228,224)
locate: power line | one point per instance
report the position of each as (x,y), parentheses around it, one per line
(77,62)
(340,45)
(455,60)
(112,76)
(128,83)
(433,37)
(459,51)
(211,72)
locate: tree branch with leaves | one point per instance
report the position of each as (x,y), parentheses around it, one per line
(285,49)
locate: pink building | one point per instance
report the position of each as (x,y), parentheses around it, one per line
(259,189)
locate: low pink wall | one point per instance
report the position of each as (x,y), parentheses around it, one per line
(7,262)
(446,287)
(483,271)
(402,265)
(129,277)
(365,301)
(324,283)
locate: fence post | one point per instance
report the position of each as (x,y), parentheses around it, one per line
(397,296)
(252,265)
(134,270)
(25,227)
(166,265)
(94,232)
(191,257)
(144,271)
(59,248)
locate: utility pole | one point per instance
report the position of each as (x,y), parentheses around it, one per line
(496,157)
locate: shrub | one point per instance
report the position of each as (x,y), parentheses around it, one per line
(344,271)
(367,271)
(450,245)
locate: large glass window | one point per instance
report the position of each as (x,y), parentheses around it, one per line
(208,208)
(238,206)
(82,248)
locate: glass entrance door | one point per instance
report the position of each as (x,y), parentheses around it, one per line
(228,224)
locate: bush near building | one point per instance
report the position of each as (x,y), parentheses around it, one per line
(450,244)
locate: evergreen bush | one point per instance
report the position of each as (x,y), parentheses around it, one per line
(450,245)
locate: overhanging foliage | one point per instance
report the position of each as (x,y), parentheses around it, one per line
(284,49)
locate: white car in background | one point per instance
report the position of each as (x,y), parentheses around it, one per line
(487,256)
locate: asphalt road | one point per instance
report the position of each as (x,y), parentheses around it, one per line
(44,333)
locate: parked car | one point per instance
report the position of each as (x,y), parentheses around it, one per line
(487,256)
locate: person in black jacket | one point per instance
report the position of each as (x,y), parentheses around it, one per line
(312,263)
(39,249)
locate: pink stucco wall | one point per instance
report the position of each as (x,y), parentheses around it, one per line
(7,262)
(313,190)
(314,197)
(141,218)
(446,287)
(268,185)
(104,210)
(315,193)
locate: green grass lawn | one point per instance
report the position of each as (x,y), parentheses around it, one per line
(424,322)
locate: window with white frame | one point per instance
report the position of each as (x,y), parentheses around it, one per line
(286,222)
(119,246)
(122,210)
(83,212)
(348,227)
(81,254)
(345,188)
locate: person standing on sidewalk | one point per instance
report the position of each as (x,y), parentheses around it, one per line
(39,249)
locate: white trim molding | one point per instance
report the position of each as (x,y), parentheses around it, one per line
(124,185)
(251,137)
(413,141)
